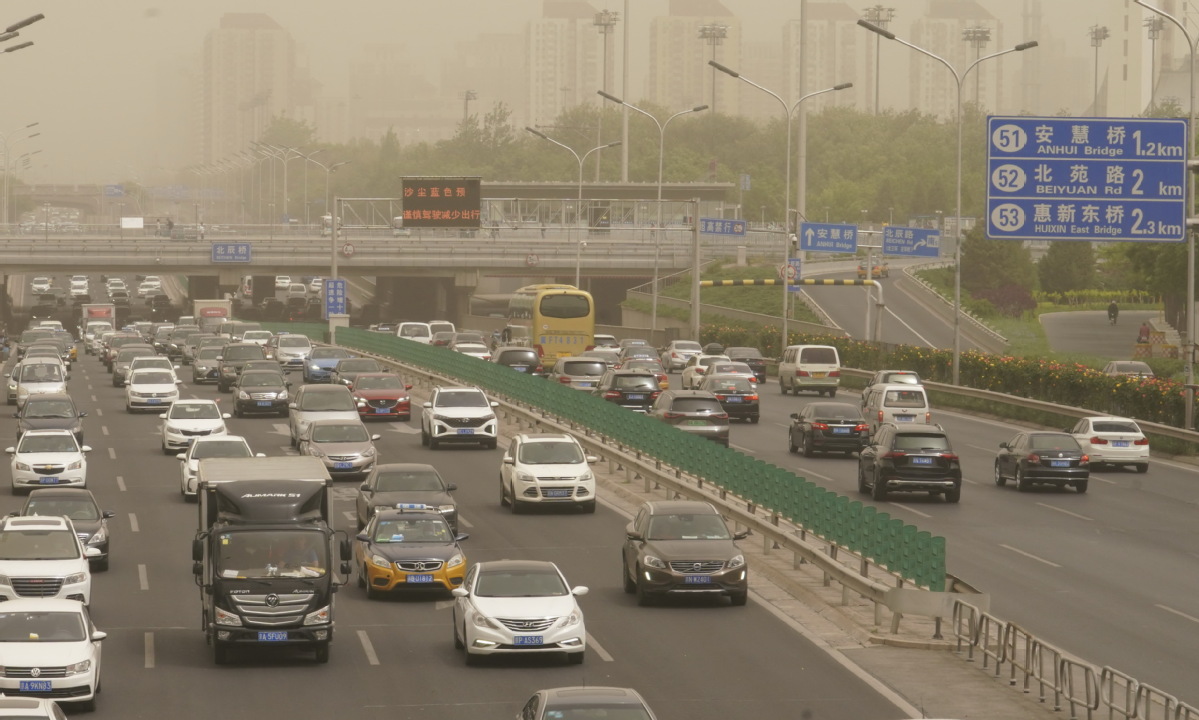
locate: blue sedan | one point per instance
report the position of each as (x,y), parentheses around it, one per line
(319,366)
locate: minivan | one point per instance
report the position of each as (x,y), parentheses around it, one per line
(900,404)
(810,367)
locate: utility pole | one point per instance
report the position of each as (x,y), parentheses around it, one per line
(882,17)
(467,96)
(1154,24)
(605,21)
(1098,33)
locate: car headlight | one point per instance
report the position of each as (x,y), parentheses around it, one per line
(522,476)
(317,617)
(243,395)
(203,368)
(369,452)
(314,451)
(74,578)
(654,562)
(79,667)
(736,561)
(587,477)
(314,366)
(227,618)
(75,465)
(455,561)
(282,395)
(4,580)
(361,402)
(439,418)
(23,466)
(445,509)
(99,536)
(485,622)
(380,561)
(574,618)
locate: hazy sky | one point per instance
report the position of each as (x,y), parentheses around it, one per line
(90,79)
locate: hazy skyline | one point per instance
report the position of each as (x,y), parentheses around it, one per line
(90,79)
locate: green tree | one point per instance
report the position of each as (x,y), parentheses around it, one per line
(992,264)
(1068,265)
(286,132)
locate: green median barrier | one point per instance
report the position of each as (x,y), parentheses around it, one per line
(861,515)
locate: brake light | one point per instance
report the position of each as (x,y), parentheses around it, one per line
(654,395)
(895,454)
(950,456)
(661,377)
(1033,458)
(1084,460)
(672,415)
(700,369)
(565,379)
(753,398)
(1097,441)
(589,347)
(880,415)
(722,398)
(540,350)
(834,373)
(928,417)
(721,416)
(611,394)
(539,368)
(1142,441)
(802,373)
(673,354)
(820,426)
(863,427)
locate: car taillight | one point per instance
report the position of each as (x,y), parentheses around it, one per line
(880,415)
(539,368)
(722,398)
(950,456)
(1097,441)
(820,426)
(672,415)
(1142,441)
(895,454)
(834,373)
(751,398)
(674,354)
(928,417)
(540,351)
(611,394)
(661,377)
(1084,460)
(802,373)
(861,428)
(654,395)
(1033,458)
(699,369)
(565,379)
(721,416)
(589,347)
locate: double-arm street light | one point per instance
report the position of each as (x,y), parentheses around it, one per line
(579,208)
(8,148)
(661,229)
(12,31)
(789,110)
(958,78)
(328,171)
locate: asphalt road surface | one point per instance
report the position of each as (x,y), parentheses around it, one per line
(1090,333)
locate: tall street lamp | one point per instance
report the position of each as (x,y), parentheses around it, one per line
(8,160)
(882,17)
(1188,361)
(1098,34)
(579,208)
(661,230)
(958,78)
(328,171)
(789,112)
(714,35)
(605,21)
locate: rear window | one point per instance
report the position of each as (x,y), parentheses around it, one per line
(904,399)
(632,382)
(518,356)
(1053,442)
(729,385)
(818,355)
(584,367)
(687,346)
(696,405)
(1116,426)
(565,307)
(921,442)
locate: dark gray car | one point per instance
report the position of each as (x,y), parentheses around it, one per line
(694,411)
(414,483)
(79,505)
(50,411)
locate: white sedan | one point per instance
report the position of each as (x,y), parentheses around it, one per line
(1112,441)
(57,636)
(208,446)
(190,419)
(46,458)
(697,365)
(518,607)
(477,350)
(151,389)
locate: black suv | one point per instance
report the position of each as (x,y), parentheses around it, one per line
(632,389)
(233,357)
(520,359)
(828,427)
(911,458)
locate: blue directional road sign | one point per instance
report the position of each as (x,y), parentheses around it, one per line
(719,226)
(793,274)
(114,191)
(911,242)
(828,237)
(335,297)
(239,252)
(1097,179)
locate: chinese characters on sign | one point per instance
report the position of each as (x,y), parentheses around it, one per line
(450,202)
(1098,179)
(335,297)
(828,237)
(231,252)
(918,242)
(717,226)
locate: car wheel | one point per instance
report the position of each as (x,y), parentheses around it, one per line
(236,411)
(1081,486)
(88,705)
(807,445)
(630,585)
(220,654)
(424,437)
(832,393)
(754,419)
(1022,484)
(322,653)
(458,644)
(1000,480)
(879,491)
(782,387)
(167,451)
(1143,467)
(575,658)
(503,493)
(740,599)
(953,495)
(471,658)
(862,481)
(791,446)
(115,383)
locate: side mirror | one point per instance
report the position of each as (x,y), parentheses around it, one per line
(509,460)
(579,590)
(226,416)
(108,514)
(292,406)
(376,437)
(741,535)
(1003,445)
(197,552)
(460,592)
(98,635)
(162,416)
(259,454)
(92,552)
(365,487)
(592,459)
(494,404)
(794,416)
(178,381)
(451,487)
(427,405)
(363,537)
(407,386)
(181,456)
(461,536)
(197,568)
(83,414)
(86,448)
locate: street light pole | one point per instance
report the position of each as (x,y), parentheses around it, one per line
(1098,34)
(661,230)
(790,114)
(328,171)
(882,17)
(580,159)
(957,250)
(605,21)
(8,162)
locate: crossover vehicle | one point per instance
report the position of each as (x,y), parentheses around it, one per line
(1042,458)
(39,284)
(632,389)
(80,507)
(580,373)
(319,402)
(43,557)
(459,415)
(436,326)
(683,548)
(208,446)
(410,547)
(345,446)
(439,339)
(192,344)
(151,389)
(206,365)
(693,411)
(48,457)
(678,352)
(543,469)
(1114,441)
(382,396)
(258,392)
(521,359)
(282,281)
(349,368)
(650,364)
(909,458)
(320,363)
(152,361)
(188,419)
(233,357)
(697,366)
(49,649)
(810,368)
(392,484)
(50,411)
(474,349)
(586,702)
(737,393)
(824,427)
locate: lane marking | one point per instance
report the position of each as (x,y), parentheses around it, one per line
(120,483)
(443,604)
(93,396)
(905,324)
(1066,512)
(104,430)
(99,412)
(367,648)
(142,579)
(1179,613)
(599,649)
(911,510)
(133,522)
(1030,556)
(351,515)
(981,448)
(149,650)
(112,453)
(1110,482)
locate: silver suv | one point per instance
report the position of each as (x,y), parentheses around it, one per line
(461,415)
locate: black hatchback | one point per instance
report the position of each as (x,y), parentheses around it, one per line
(828,427)
(632,389)
(520,359)
(1042,458)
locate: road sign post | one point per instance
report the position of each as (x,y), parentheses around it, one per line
(793,274)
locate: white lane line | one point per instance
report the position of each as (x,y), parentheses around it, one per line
(1066,512)
(443,604)
(133,522)
(351,515)
(99,412)
(149,650)
(464,522)
(1109,482)
(909,327)
(367,648)
(93,396)
(911,510)
(1179,613)
(599,649)
(120,483)
(142,579)
(104,430)
(112,454)
(968,481)
(1030,556)
(983,449)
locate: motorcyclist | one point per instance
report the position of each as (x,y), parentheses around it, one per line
(1113,312)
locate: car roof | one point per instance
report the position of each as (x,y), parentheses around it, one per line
(217,438)
(49,431)
(672,507)
(60,492)
(50,604)
(1093,418)
(501,565)
(21,522)
(593,693)
(392,513)
(194,401)
(456,388)
(547,437)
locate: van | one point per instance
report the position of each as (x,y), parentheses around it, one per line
(810,367)
(897,404)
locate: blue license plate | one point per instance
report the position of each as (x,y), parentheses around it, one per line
(558,492)
(586,384)
(528,640)
(49,480)
(840,431)
(922,461)
(905,418)
(1119,443)
(519,368)
(264,403)
(636,397)
(153,401)
(697,580)
(272,636)
(420,578)
(466,431)
(382,411)
(35,686)
(1059,463)
(734,398)
(342,465)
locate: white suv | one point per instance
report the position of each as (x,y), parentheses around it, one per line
(42,557)
(547,469)
(459,414)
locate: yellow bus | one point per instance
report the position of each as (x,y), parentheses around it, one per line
(559,319)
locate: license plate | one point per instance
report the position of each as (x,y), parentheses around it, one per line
(466,431)
(342,465)
(272,635)
(420,578)
(697,579)
(922,461)
(697,423)
(528,640)
(35,686)
(264,403)
(635,397)
(1059,463)
(1119,443)
(818,374)
(586,384)
(905,418)
(840,431)
(734,399)
(153,401)
(558,492)
(49,480)
(519,368)
(382,411)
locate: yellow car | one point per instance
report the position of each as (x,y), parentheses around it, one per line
(878,271)
(410,547)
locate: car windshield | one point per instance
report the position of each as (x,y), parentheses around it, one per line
(195,411)
(378,382)
(518,356)
(1115,426)
(437,327)
(408,480)
(729,385)
(921,442)
(652,365)
(55,443)
(243,353)
(584,367)
(41,372)
(461,399)
(257,335)
(38,545)
(271,553)
(208,353)
(1134,367)
(411,331)
(329,353)
(328,401)
(76,508)
(293,342)
(220,449)
(520,582)
(358,365)
(470,347)
(635,382)
(687,527)
(260,379)
(595,711)
(339,433)
(35,408)
(415,529)
(550,453)
(1054,441)
(41,626)
(839,411)
(155,377)
(903,378)
(743,352)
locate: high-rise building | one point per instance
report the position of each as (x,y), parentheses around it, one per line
(680,46)
(249,78)
(959,31)
(562,60)
(838,52)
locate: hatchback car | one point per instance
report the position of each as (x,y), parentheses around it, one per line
(189,419)
(319,402)
(579,373)
(57,638)
(696,367)
(683,548)
(151,389)
(50,411)
(345,446)
(392,484)
(382,396)
(346,370)
(459,415)
(208,446)
(1042,458)
(80,507)
(632,389)
(592,701)
(410,547)
(43,557)
(48,457)
(521,359)
(542,469)
(261,392)
(518,607)
(738,395)
(824,427)
(318,368)
(910,458)
(40,375)
(1114,441)
(693,411)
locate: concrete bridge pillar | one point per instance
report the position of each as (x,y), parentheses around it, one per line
(202,287)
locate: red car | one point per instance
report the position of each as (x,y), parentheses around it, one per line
(383,396)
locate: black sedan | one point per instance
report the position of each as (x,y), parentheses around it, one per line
(79,505)
(392,484)
(737,395)
(1042,458)
(260,392)
(751,357)
(828,427)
